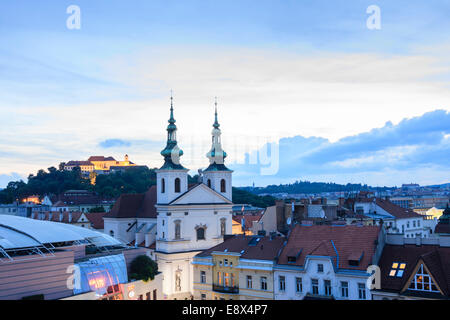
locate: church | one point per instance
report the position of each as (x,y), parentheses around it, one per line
(174,219)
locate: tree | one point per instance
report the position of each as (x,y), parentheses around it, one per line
(143,268)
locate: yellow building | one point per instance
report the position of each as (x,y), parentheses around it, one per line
(105,163)
(240,268)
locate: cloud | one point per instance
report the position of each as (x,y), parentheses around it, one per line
(419,145)
(111,143)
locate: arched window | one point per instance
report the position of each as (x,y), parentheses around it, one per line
(201,234)
(177,229)
(177,185)
(209,183)
(163,185)
(223,186)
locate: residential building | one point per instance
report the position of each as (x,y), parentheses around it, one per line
(414,269)
(240,268)
(327,262)
(396,219)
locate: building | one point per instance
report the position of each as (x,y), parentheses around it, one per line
(327,262)
(96,165)
(89,220)
(49,260)
(132,219)
(240,268)
(190,220)
(79,200)
(414,269)
(443,227)
(396,219)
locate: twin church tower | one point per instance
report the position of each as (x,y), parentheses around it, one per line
(172,176)
(190,218)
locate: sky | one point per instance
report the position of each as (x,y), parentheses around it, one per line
(334,100)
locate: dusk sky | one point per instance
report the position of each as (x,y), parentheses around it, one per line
(340,102)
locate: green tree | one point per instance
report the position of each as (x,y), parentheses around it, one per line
(143,268)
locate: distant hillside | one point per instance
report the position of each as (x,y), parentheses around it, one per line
(312,187)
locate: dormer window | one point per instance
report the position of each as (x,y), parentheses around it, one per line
(423,282)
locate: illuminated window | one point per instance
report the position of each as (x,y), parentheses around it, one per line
(422,281)
(397,269)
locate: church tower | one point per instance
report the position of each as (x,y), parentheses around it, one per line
(217,176)
(172,178)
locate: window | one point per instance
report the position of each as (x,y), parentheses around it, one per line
(298,285)
(202,277)
(155,294)
(344,289)
(418,223)
(163,185)
(263,283)
(219,278)
(315,286)
(209,183)
(203,296)
(249,282)
(414,223)
(422,281)
(177,229)
(177,185)
(111,233)
(282,283)
(200,234)
(147,296)
(225,262)
(397,269)
(327,287)
(222,186)
(320,267)
(362,291)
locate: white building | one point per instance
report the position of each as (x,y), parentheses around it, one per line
(176,220)
(397,220)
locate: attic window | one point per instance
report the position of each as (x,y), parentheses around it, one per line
(423,282)
(397,269)
(292,259)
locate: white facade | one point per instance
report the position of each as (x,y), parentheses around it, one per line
(166,184)
(214,180)
(353,280)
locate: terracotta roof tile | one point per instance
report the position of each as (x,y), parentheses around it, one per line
(337,242)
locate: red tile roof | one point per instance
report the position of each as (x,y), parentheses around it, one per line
(397,211)
(140,205)
(341,243)
(249,218)
(435,258)
(96,219)
(264,249)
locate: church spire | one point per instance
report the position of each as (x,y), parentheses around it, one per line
(216,155)
(216,124)
(172,152)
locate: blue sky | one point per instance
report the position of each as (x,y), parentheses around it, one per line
(281,69)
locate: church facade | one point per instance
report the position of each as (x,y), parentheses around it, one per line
(189,218)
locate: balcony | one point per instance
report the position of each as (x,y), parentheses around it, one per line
(223,289)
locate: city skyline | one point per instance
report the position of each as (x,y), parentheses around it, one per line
(344,101)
